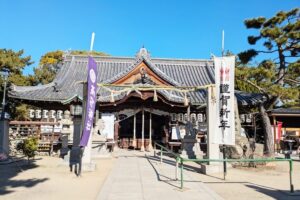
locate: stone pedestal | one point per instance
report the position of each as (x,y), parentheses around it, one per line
(4,137)
(191,148)
(213,150)
(87,164)
(99,147)
(76,152)
(64,145)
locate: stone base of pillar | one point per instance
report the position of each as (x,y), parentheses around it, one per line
(150,147)
(191,148)
(73,160)
(134,143)
(211,168)
(99,150)
(142,148)
(4,137)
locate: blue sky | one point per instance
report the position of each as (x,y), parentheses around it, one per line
(167,28)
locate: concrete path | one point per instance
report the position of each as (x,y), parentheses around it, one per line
(138,176)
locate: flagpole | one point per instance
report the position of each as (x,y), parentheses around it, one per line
(223,42)
(224,146)
(92,42)
(85,85)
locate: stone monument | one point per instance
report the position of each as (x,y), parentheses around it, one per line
(66,133)
(191,144)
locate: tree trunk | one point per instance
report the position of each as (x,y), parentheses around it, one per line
(269,137)
(281,72)
(237,119)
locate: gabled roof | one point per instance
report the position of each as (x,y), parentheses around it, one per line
(177,72)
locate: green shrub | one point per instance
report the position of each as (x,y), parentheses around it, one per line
(28,146)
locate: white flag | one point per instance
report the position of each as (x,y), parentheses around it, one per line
(224,78)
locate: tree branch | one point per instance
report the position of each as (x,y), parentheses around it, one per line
(267,51)
(256,86)
(292,56)
(292,80)
(277,81)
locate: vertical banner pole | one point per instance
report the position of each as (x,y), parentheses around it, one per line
(224,163)
(223,42)
(92,42)
(89,105)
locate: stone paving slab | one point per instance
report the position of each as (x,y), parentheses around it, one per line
(139,175)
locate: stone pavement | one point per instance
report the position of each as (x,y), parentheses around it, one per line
(139,175)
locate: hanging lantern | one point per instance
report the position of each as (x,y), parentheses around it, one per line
(52,114)
(200,117)
(155,96)
(173,116)
(59,114)
(38,114)
(193,118)
(186,101)
(180,117)
(31,113)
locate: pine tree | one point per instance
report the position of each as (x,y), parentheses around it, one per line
(278,76)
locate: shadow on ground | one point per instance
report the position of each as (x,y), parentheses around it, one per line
(272,192)
(9,170)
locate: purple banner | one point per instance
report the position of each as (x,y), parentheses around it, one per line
(90,101)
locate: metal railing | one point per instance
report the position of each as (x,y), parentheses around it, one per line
(178,159)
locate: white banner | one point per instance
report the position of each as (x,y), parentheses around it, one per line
(108,130)
(224,78)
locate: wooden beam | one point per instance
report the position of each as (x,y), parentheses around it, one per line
(32,123)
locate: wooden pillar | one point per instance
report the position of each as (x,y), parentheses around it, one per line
(143,129)
(150,148)
(276,146)
(134,130)
(188,111)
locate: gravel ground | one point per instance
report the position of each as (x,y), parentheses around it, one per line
(49,178)
(256,183)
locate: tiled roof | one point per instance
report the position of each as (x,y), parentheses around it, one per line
(177,72)
(285,111)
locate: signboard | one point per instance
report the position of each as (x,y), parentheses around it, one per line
(224,78)
(108,130)
(57,128)
(90,101)
(46,129)
(175,134)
